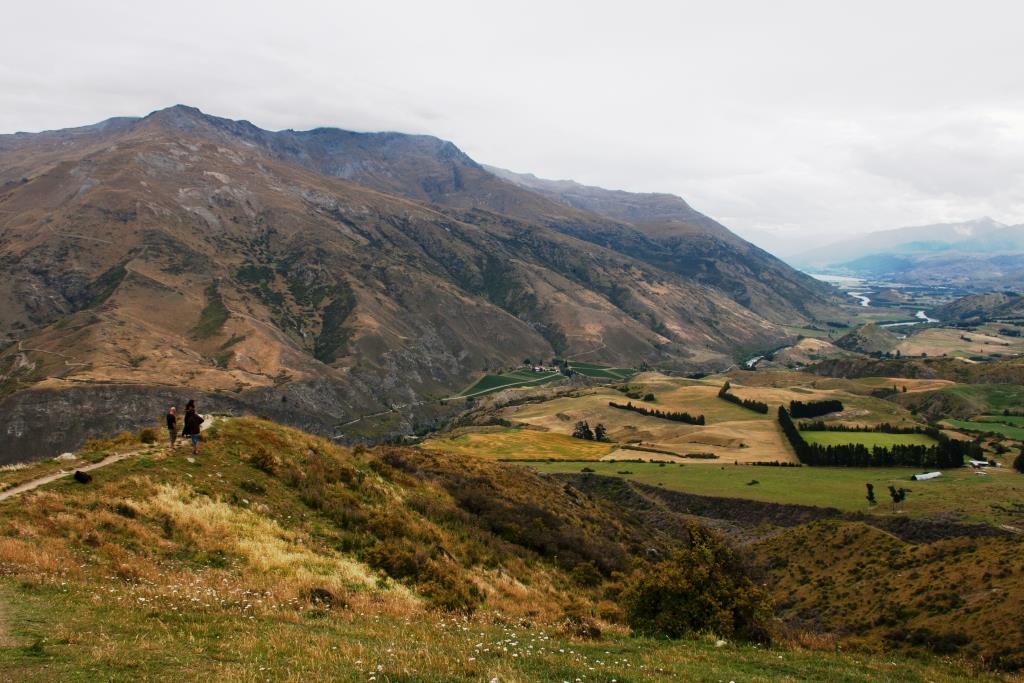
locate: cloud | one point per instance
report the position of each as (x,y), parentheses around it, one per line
(793,118)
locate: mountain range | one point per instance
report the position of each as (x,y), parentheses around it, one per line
(320,276)
(975,255)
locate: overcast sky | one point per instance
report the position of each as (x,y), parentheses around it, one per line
(804,120)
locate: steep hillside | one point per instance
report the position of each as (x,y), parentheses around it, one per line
(181,253)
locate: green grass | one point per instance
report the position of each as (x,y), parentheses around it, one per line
(72,634)
(957,491)
(524,378)
(1012,420)
(984,426)
(869,439)
(602,371)
(989,398)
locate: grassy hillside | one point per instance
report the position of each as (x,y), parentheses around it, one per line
(948,597)
(280,556)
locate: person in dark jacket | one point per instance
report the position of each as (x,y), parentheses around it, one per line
(193,422)
(172,426)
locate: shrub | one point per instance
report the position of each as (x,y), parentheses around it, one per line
(125,510)
(586,574)
(147,435)
(264,460)
(703,588)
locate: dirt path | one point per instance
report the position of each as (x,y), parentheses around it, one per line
(109,460)
(36,483)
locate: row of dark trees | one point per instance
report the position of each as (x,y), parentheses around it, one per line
(883,428)
(749,404)
(799,409)
(663,414)
(946,453)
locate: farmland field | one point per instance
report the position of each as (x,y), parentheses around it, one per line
(602,371)
(869,439)
(523,378)
(941,341)
(959,491)
(1012,420)
(519,444)
(985,426)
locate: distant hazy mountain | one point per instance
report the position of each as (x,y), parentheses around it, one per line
(937,237)
(974,255)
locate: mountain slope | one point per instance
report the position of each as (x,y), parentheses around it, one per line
(979,308)
(660,229)
(675,237)
(144,257)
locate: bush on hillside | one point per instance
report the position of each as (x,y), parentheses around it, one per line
(702,589)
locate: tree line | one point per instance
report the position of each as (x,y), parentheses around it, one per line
(946,453)
(749,404)
(882,428)
(663,414)
(799,409)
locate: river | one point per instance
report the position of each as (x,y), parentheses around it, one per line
(921,316)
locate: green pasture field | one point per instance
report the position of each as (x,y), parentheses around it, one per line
(984,426)
(524,378)
(960,491)
(602,371)
(869,439)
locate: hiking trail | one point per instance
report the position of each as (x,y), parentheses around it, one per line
(33,484)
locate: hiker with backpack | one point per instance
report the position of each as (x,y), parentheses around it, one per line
(193,422)
(172,426)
